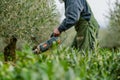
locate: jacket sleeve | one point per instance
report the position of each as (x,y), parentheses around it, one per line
(72,15)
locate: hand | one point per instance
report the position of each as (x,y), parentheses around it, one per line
(56,32)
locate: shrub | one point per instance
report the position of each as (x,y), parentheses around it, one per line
(62,64)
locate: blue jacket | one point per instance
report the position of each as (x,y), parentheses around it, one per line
(74,10)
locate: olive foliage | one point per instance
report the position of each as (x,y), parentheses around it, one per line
(27,18)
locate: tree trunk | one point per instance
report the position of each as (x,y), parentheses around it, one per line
(9,50)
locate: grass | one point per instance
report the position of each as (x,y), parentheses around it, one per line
(62,64)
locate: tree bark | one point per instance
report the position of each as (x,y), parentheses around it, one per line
(9,50)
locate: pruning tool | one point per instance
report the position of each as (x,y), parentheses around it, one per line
(42,47)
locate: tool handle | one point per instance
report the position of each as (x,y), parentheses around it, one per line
(52,35)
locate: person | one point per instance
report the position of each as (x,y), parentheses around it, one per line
(79,14)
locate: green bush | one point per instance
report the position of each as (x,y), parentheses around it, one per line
(62,64)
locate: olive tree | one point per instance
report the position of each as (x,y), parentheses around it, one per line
(27,18)
(112,36)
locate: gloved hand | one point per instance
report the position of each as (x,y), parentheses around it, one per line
(56,32)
